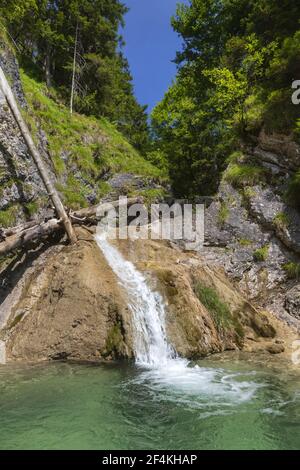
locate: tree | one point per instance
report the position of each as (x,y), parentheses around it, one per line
(235,70)
(46,31)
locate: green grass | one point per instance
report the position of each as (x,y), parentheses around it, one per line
(223,213)
(281,220)
(244,175)
(261,254)
(32,207)
(235,157)
(81,144)
(150,196)
(219,310)
(245,242)
(292,270)
(8,217)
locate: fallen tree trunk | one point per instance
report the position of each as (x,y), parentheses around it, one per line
(19,237)
(53,194)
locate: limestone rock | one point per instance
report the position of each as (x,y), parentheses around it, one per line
(292,301)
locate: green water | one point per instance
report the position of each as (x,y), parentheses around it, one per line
(220,405)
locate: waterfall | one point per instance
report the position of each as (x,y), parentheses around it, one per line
(163,368)
(150,341)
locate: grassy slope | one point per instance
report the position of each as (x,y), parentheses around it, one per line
(83,149)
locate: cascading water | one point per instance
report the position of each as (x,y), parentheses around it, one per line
(163,367)
(150,342)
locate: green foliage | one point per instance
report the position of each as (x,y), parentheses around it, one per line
(244,175)
(292,270)
(8,216)
(261,254)
(223,213)
(82,148)
(32,207)
(236,68)
(219,310)
(45,32)
(281,220)
(245,242)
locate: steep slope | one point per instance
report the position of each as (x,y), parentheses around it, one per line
(84,154)
(253,230)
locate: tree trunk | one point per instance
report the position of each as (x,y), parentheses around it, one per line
(48,69)
(18,237)
(53,194)
(74,71)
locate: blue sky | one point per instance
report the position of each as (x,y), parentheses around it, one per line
(151,45)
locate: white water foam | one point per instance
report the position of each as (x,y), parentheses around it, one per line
(164,369)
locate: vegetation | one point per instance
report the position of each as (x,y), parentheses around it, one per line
(8,216)
(46,34)
(223,213)
(235,71)
(219,310)
(245,242)
(244,175)
(83,149)
(292,270)
(293,192)
(261,254)
(281,220)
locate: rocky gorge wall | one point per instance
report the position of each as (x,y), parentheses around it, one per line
(21,190)
(253,232)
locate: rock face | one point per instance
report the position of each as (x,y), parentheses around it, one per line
(253,233)
(205,313)
(20,184)
(72,306)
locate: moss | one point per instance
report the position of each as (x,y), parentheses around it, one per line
(115,341)
(248,192)
(240,175)
(245,242)
(235,157)
(219,310)
(223,213)
(16,320)
(261,254)
(281,220)
(292,270)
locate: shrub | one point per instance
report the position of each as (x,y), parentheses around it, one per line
(292,270)
(281,220)
(261,254)
(242,175)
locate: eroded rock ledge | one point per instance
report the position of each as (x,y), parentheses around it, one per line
(71,306)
